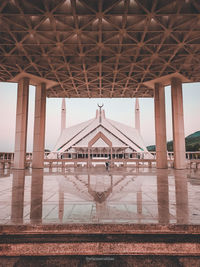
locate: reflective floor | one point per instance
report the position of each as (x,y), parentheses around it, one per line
(120,195)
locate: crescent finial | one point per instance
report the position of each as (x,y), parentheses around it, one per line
(100,106)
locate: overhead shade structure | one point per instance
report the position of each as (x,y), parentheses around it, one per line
(81,48)
(99,48)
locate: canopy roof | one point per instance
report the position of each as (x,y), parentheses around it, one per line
(88,48)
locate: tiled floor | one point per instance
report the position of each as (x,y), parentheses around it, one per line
(120,195)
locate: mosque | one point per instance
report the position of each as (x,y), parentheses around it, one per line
(100,138)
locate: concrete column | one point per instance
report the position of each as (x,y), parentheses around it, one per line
(178,124)
(21,123)
(39,127)
(160,127)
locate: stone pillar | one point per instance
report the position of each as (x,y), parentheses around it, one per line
(160,126)
(39,127)
(178,124)
(21,123)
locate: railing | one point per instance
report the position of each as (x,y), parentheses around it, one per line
(193,155)
(6,156)
(133,155)
(189,155)
(193,158)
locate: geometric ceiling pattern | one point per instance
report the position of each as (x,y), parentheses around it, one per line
(104,48)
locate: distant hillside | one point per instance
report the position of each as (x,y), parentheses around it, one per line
(192,143)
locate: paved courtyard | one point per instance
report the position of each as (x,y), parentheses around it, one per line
(97,196)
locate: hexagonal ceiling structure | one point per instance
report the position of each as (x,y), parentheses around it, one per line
(88,48)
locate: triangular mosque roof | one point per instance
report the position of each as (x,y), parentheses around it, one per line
(119,134)
(71,132)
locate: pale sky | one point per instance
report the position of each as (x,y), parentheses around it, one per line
(79,110)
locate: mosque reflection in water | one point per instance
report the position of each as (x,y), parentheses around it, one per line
(117,196)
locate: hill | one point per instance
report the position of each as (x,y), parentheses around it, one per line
(192,143)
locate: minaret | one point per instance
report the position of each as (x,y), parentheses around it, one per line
(63,115)
(100,107)
(137,115)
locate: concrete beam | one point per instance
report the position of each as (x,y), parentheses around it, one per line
(34,80)
(166,80)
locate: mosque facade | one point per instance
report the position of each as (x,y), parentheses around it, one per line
(100,137)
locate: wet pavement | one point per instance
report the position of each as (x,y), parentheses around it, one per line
(96,196)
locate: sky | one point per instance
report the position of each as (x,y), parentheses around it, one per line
(79,110)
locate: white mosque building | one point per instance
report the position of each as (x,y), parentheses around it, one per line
(100,138)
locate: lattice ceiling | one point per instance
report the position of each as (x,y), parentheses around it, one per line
(105,48)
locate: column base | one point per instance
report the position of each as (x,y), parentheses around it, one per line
(162,166)
(15,168)
(180,168)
